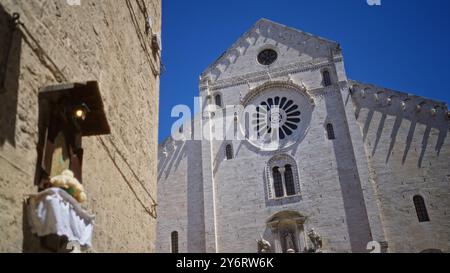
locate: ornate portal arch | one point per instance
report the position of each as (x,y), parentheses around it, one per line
(288,232)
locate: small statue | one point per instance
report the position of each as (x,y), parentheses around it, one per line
(67,181)
(264,246)
(315,239)
(289,237)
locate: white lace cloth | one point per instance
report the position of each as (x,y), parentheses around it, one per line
(54,211)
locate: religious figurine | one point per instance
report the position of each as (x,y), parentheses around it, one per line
(315,239)
(264,246)
(289,239)
(67,181)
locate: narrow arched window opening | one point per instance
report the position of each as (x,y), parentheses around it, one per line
(289,180)
(277,182)
(421,209)
(330,131)
(282,178)
(174,239)
(229,152)
(218,100)
(326,78)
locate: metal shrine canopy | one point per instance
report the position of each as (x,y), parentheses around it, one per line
(80,93)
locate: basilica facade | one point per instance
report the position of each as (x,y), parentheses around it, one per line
(355,167)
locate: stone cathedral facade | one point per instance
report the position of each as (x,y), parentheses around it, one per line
(357,166)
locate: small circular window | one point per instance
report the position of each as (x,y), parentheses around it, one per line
(267,56)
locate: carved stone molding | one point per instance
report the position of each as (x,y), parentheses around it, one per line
(264,76)
(276,84)
(299,221)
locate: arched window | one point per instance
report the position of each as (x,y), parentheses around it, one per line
(277,182)
(282,177)
(330,131)
(218,100)
(289,180)
(229,152)
(174,238)
(326,78)
(421,209)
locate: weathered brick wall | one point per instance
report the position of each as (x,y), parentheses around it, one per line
(95,41)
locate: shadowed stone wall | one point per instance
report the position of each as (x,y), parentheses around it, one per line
(104,41)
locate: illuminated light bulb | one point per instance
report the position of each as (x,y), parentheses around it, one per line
(80,112)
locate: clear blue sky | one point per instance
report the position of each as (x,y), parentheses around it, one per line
(402,44)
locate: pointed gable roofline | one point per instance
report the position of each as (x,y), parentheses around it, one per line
(254,29)
(295,30)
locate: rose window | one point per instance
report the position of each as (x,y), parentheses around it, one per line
(277,114)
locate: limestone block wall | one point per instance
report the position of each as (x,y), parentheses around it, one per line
(407,150)
(329,198)
(180,186)
(240,197)
(102,41)
(333,198)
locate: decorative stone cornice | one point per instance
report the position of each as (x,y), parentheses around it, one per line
(276,84)
(286,215)
(264,75)
(278,157)
(274,225)
(365,94)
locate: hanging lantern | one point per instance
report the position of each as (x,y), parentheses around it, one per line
(82,103)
